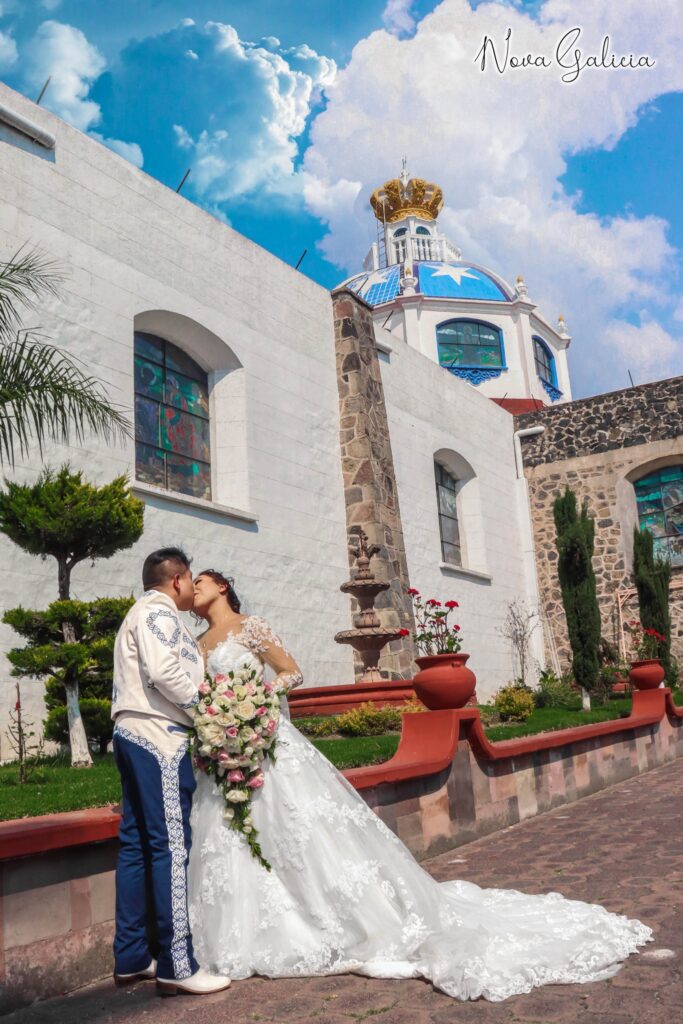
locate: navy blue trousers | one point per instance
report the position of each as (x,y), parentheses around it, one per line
(155,841)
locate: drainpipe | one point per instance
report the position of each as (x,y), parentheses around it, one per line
(526,432)
(527,537)
(26,127)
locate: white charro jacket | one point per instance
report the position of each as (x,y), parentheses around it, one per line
(157,664)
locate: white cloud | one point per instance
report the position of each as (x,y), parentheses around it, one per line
(497,143)
(63,54)
(397,17)
(646,349)
(8,52)
(251,143)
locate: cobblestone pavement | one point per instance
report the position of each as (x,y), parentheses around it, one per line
(621,848)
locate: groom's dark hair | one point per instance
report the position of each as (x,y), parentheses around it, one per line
(162,565)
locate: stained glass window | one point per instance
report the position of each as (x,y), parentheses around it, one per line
(545,364)
(469,343)
(660,510)
(172,447)
(446,486)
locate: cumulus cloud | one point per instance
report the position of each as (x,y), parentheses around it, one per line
(397,17)
(263,98)
(498,143)
(8,52)
(63,54)
(646,349)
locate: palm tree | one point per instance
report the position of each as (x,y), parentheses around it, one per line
(44,395)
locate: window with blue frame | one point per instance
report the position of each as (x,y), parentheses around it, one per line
(470,344)
(660,510)
(171,418)
(545,368)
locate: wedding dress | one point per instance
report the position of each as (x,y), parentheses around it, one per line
(345,895)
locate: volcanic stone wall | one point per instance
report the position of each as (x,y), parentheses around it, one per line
(598,447)
(368,470)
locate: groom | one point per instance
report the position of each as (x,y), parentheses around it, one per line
(157,672)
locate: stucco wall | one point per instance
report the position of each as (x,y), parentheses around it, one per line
(128,246)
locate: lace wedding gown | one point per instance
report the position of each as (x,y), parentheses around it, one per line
(345,895)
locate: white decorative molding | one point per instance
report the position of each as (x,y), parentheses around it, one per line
(143,490)
(460,570)
(29,128)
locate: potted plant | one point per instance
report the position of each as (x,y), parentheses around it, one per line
(444,680)
(646,671)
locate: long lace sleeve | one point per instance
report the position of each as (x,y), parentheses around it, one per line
(260,638)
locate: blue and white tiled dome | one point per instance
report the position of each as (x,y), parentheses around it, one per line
(439,280)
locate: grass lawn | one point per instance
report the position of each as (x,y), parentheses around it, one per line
(55,786)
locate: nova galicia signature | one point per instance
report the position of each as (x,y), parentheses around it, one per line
(567,56)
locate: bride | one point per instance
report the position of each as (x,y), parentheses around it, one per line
(344,894)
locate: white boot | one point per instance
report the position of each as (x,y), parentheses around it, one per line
(148,974)
(198,984)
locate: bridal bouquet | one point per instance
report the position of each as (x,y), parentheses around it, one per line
(235,729)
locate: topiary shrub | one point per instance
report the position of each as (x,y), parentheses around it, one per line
(369,720)
(514,703)
(97,722)
(556,692)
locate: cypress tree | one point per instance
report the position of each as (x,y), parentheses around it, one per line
(70,519)
(652,576)
(575,539)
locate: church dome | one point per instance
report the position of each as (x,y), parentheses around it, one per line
(436,279)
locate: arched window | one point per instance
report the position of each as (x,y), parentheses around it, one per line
(470,344)
(400,232)
(660,510)
(171,418)
(422,231)
(446,491)
(545,368)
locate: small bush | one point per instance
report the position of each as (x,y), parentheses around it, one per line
(514,702)
(368,720)
(326,726)
(556,692)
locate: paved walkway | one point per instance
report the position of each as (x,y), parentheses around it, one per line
(621,847)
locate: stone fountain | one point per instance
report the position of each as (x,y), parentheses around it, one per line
(368,636)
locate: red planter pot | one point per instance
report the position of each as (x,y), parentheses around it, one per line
(647,674)
(444,681)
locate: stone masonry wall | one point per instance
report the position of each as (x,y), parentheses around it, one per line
(597,446)
(368,471)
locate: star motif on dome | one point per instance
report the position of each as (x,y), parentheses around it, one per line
(381,276)
(455,273)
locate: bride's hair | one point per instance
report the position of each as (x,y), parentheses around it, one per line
(230,595)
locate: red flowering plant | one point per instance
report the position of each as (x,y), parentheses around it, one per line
(434,634)
(645,643)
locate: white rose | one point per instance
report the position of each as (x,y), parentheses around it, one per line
(245,710)
(237,796)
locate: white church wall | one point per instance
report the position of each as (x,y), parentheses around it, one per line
(432,413)
(130,247)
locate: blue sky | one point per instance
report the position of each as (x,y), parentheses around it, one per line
(290,112)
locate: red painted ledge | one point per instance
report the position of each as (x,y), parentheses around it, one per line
(25,836)
(333,700)
(427,746)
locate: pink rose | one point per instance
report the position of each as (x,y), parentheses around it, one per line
(261,711)
(220,678)
(272,726)
(223,756)
(211,711)
(204,688)
(235,775)
(231,731)
(256,781)
(250,689)
(268,687)
(229,693)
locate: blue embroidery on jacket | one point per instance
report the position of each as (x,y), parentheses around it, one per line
(158,632)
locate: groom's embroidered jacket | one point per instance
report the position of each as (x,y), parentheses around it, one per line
(157,664)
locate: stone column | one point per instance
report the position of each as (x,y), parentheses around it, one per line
(368,469)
